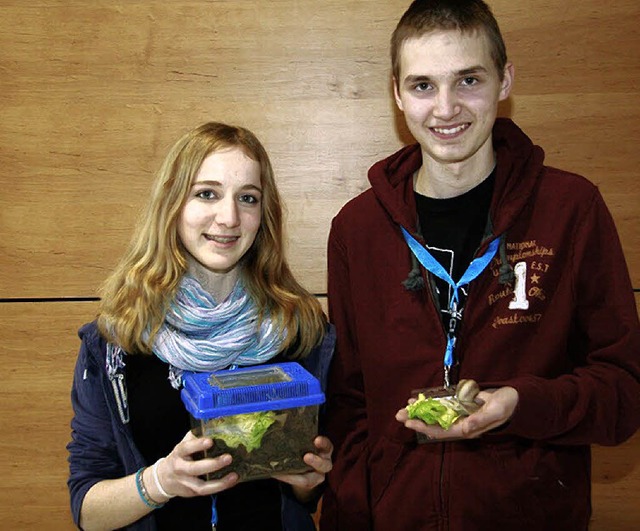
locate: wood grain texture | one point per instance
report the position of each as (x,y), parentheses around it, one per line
(38,351)
(615,487)
(93,94)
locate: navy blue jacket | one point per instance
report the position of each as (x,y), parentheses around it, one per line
(102,445)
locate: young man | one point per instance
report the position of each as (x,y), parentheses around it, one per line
(544,318)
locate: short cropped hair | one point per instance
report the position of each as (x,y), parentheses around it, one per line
(424,16)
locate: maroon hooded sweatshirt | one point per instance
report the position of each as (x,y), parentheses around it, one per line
(564,333)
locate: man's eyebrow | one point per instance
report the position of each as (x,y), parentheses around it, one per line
(417,79)
(422,78)
(471,70)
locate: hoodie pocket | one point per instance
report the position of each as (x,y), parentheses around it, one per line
(384,458)
(539,482)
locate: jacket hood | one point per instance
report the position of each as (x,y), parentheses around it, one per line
(392,183)
(519,165)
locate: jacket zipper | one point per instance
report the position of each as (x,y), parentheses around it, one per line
(429,284)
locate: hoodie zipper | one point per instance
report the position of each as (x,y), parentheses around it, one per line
(430,282)
(430,286)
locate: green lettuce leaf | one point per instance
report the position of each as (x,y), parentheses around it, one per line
(433,411)
(246,429)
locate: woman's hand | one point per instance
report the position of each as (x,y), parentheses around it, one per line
(497,407)
(179,472)
(116,503)
(303,485)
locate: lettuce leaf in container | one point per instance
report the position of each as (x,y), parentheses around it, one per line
(443,411)
(246,429)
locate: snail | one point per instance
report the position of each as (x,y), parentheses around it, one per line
(467,390)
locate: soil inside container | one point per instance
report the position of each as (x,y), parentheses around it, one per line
(281,450)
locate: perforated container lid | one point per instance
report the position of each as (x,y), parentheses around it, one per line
(249,389)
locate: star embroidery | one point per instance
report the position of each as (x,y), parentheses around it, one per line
(534,278)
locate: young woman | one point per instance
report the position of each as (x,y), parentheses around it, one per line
(204,286)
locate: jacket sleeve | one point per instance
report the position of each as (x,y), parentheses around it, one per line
(93,455)
(345,504)
(599,401)
(296,516)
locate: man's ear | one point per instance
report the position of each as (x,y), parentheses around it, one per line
(396,93)
(507,81)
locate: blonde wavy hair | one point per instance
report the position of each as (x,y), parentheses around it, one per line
(136,296)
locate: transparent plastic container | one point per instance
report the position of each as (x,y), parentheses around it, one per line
(265,417)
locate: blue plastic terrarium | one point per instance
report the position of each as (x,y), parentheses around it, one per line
(265,417)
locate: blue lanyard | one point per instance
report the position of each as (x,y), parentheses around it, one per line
(476,267)
(214,513)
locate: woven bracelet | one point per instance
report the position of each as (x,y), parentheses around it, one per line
(142,491)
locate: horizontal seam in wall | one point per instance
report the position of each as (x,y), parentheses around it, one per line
(77,299)
(51,299)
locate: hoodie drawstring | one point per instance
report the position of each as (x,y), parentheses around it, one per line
(506,270)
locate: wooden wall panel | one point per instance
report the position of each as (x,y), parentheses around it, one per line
(38,350)
(572,96)
(615,487)
(92,95)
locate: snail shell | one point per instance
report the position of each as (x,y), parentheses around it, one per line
(466,390)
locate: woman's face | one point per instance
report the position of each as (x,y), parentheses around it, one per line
(221,217)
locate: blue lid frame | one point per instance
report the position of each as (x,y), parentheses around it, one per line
(205,399)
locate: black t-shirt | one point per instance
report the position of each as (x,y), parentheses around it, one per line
(159,421)
(452,230)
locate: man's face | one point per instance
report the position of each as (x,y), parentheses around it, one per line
(449,90)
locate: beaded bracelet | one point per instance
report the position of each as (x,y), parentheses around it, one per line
(154,469)
(142,491)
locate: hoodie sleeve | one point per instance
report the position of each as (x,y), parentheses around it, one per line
(345,504)
(599,402)
(93,454)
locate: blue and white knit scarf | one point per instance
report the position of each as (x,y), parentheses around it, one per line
(199,334)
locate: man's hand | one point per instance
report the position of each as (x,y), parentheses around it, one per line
(497,407)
